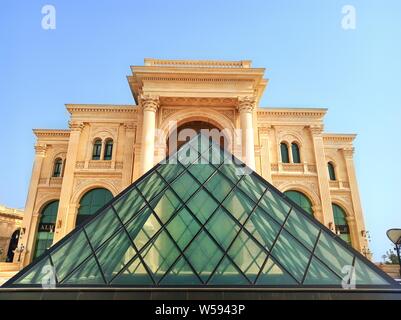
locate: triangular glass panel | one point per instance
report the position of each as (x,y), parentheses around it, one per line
(291,255)
(365,275)
(204,255)
(181,274)
(199,218)
(247,255)
(135,272)
(88,273)
(227,274)
(273,274)
(318,273)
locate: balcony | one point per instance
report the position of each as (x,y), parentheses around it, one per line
(295,168)
(98,165)
(51,182)
(338,184)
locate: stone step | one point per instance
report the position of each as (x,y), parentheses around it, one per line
(5,275)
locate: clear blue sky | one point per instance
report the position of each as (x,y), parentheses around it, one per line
(311,62)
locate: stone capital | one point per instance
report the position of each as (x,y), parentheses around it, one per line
(316,129)
(76,126)
(348,152)
(40,150)
(129,126)
(246,104)
(149,102)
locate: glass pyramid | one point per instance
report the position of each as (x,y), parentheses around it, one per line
(201,218)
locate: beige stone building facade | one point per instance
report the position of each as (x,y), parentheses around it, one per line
(10,229)
(107,147)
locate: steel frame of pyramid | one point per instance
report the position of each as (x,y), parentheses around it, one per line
(285,239)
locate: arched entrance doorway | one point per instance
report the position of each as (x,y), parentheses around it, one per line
(300,199)
(91,202)
(185,132)
(13,245)
(44,237)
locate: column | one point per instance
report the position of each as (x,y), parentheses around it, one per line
(30,217)
(65,223)
(246,106)
(359,224)
(129,142)
(322,174)
(150,104)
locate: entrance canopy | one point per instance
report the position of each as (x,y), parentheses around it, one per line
(202,219)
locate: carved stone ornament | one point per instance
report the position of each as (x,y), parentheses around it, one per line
(246,104)
(149,102)
(76,126)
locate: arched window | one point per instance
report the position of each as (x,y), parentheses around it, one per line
(91,202)
(284,153)
(58,165)
(340,221)
(108,152)
(332,173)
(300,199)
(97,149)
(44,237)
(296,157)
(13,245)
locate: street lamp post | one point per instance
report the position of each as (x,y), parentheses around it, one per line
(395,237)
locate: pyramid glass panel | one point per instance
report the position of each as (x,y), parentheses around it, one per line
(227,274)
(181,274)
(71,255)
(183,228)
(263,228)
(239,205)
(88,273)
(219,186)
(318,273)
(128,205)
(301,228)
(134,272)
(143,227)
(274,275)
(247,255)
(188,222)
(115,254)
(291,255)
(222,228)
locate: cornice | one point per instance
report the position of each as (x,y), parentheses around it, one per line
(11,213)
(103,108)
(45,133)
(197,63)
(338,137)
(292,112)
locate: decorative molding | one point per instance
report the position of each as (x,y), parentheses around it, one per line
(197,101)
(166,112)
